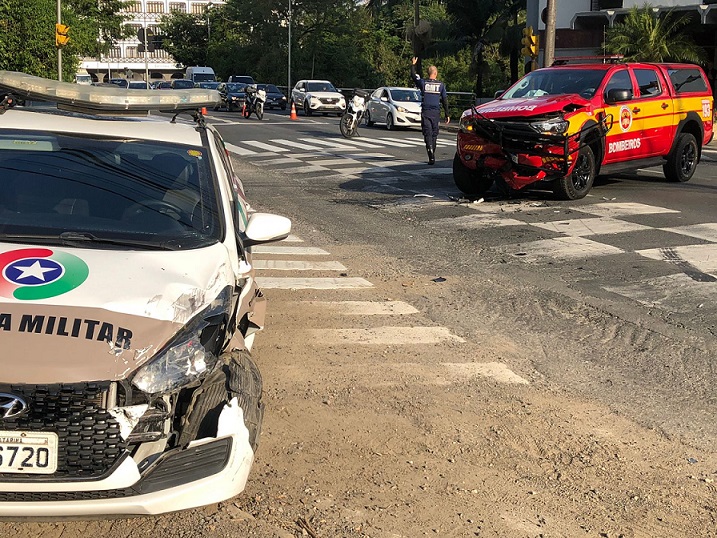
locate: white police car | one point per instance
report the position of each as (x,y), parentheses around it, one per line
(128,304)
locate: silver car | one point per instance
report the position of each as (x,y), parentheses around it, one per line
(394,106)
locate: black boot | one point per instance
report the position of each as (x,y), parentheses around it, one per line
(431,156)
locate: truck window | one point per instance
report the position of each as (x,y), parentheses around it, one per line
(619,81)
(647,83)
(687,80)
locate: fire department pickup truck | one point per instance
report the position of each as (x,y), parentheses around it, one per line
(562,126)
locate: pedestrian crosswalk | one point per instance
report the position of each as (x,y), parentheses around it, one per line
(597,231)
(366,322)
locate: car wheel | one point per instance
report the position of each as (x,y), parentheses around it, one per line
(681,164)
(469,182)
(307,109)
(580,181)
(390,124)
(369,121)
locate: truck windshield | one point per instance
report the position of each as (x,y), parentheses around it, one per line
(560,81)
(116,191)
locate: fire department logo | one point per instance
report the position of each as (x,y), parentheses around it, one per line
(39,273)
(625,118)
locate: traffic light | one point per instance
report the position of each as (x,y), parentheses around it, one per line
(62,37)
(530,43)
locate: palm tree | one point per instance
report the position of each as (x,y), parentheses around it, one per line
(645,37)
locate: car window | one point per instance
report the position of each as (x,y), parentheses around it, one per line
(557,81)
(235,87)
(687,80)
(376,94)
(115,189)
(181,84)
(271,88)
(647,83)
(406,96)
(320,87)
(619,81)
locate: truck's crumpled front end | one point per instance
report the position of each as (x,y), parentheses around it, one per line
(519,150)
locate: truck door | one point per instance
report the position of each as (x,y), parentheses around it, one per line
(623,141)
(653,111)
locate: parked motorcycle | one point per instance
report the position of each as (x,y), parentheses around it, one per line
(255,99)
(354,114)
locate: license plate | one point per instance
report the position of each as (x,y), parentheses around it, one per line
(24,452)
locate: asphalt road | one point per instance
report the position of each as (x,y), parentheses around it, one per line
(638,248)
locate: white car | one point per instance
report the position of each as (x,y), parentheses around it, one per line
(318,96)
(128,304)
(394,106)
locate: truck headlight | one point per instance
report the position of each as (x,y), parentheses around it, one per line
(191,354)
(467,124)
(551,126)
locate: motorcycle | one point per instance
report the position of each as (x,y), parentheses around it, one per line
(354,114)
(255,100)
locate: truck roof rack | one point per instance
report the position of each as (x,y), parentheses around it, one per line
(104,100)
(609,59)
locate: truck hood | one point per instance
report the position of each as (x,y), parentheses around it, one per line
(69,315)
(533,106)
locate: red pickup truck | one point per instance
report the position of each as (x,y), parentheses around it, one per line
(562,126)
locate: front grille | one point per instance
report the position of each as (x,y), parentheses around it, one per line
(89,443)
(328,100)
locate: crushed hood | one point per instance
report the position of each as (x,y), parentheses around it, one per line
(533,106)
(70,315)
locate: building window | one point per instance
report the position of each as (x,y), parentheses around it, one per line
(115,52)
(198,9)
(155,7)
(132,52)
(178,6)
(132,7)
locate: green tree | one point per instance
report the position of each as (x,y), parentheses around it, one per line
(645,37)
(186,37)
(27,34)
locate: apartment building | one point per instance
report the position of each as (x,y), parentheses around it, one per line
(128,59)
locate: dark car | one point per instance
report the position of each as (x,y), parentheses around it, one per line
(232,94)
(163,85)
(274,96)
(244,79)
(182,84)
(208,85)
(121,82)
(139,85)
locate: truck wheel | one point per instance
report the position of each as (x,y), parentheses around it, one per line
(682,162)
(470,182)
(579,183)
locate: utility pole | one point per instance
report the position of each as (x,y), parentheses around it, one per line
(59,49)
(551,14)
(288,69)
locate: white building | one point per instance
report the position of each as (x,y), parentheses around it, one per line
(127,60)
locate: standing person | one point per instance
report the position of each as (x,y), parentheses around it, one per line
(433,95)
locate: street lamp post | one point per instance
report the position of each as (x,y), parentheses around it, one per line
(209,24)
(288,71)
(59,49)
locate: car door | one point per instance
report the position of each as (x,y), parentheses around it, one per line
(297,94)
(374,104)
(623,140)
(654,108)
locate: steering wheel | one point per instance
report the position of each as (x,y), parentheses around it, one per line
(160,206)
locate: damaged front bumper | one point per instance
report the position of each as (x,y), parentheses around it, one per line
(202,453)
(516,153)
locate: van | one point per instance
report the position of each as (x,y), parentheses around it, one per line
(244,79)
(199,73)
(83,77)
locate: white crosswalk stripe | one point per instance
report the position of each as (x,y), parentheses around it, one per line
(264,146)
(293,144)
(239,150)
(328,144)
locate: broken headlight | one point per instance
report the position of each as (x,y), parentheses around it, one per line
(551,126)
(467,124)
(192,353)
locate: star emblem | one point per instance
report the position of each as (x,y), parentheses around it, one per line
(36,270)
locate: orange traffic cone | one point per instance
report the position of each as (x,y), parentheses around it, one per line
(243,109)
(204,111)
(293,115)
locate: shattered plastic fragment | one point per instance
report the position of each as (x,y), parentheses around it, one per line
(439,279)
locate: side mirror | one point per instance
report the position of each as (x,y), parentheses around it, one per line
(265,228)
(384,99)
(498,94)
(302,90)
(617,95)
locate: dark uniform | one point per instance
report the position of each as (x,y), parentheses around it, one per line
(433,93)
